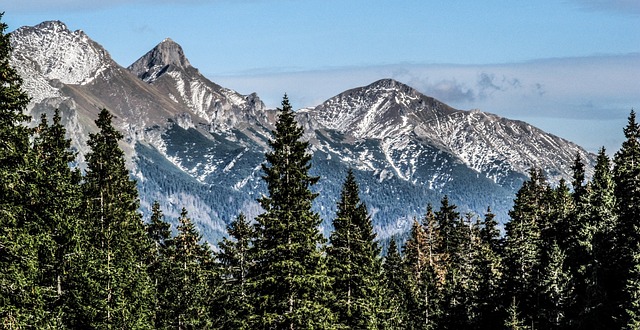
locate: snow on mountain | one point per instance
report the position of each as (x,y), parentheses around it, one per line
(397,114)
(168,70)
(57,54)
(192,143)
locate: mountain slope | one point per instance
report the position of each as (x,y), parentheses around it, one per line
(192,143)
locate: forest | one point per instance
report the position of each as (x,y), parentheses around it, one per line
(76,253)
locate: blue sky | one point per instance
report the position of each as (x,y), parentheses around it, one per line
(570,67)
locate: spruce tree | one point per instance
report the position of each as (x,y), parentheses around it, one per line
(395,282)
(289,276)
(159,265)
(626,174)
(57,211)
(353,259)
(235,260)
(598,259)
(556,290)
(489,273)
(114,290)
(522,251)
(424,294)
(22,297)
(191,272)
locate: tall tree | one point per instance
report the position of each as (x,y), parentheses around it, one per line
(116,291)
(354,261)
(556,290)
(522,254)
(57,211)
(235,260)
(22,298)
(159,265)
(191,272)
(626,175)
(395,287)
(424,290)
(598,256)
(290,276)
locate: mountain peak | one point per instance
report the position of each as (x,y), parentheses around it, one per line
(154,63)
(66,56)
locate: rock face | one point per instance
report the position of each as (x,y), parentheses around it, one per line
(193,143)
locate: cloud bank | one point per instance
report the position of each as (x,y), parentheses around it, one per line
(582,99)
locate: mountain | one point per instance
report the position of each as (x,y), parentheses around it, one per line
(193,143)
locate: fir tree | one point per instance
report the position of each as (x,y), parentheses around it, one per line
(395,289)
(556,289)
(57,211)
(159,265)
(235,261)
(289,276)
(22,297)
(191,272)
(597,259)
(522,255)
(424,295)
(626,174)
(115,290)
(513,320)
(489,275)
(354,262)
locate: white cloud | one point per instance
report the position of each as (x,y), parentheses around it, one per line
(557,94)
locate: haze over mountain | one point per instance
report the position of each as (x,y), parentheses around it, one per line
(196,144)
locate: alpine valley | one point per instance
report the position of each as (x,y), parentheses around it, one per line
(192,143)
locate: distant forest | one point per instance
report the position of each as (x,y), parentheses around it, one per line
(75,251)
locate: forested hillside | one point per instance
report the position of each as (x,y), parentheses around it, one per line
(75,251)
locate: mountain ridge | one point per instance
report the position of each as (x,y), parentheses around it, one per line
(211,140)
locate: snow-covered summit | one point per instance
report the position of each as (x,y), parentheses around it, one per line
(373,110)
(53,51)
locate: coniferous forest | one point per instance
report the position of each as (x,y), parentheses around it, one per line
(75,252)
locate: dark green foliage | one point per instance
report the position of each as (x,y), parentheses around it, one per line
(522,255)
(626,175)
(189,293)
(22,298)
(57,211)
(395,292)
(234,261)
(159,265)
(116,290)
(556,289)
(354,262)
(289,277)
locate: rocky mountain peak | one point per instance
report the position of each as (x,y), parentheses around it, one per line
(51,52)
(157,61)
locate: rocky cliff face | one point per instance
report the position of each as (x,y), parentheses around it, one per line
(196,144)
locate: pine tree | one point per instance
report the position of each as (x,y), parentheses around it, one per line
(632,308)
(354,262)
(289,276)
(489,275)
(115,290)
(626,174)
(522,254)
(395,282)
(597,221)
(424,293)
(56,211)
(22,297)
(557,290)
(191,272)
(235,260)
(159,265)
(513,320)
